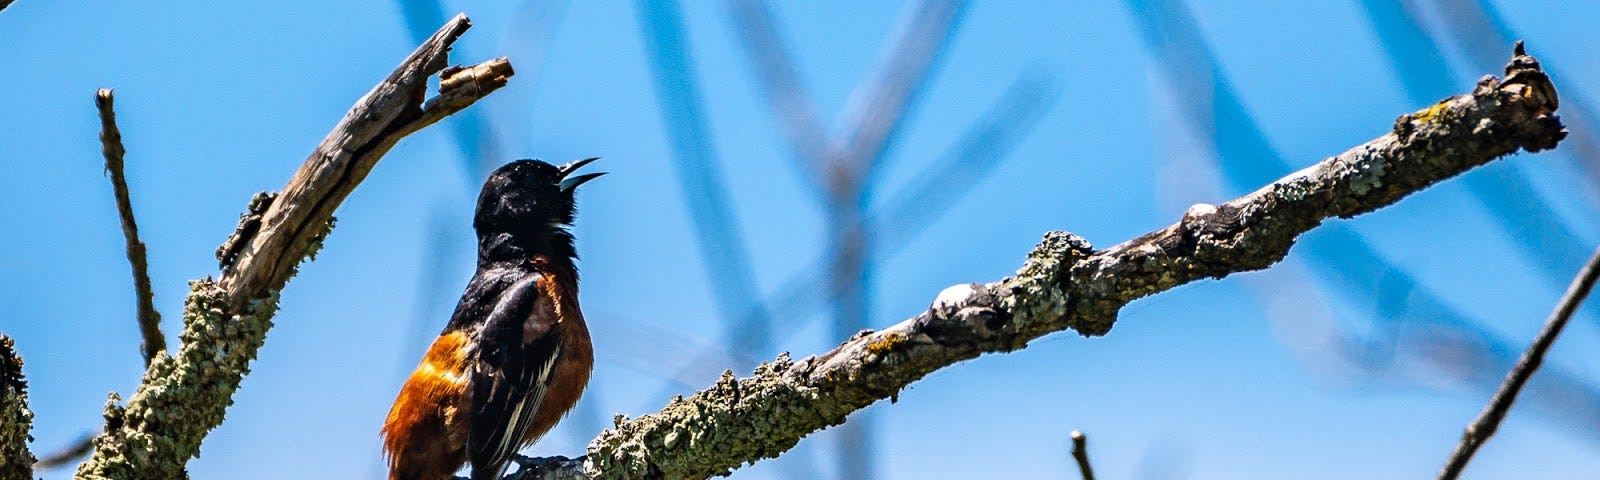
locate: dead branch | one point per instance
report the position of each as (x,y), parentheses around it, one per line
(111,146)
(182,397)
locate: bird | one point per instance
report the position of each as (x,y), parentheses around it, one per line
(515,355)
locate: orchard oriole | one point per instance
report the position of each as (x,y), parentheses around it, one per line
(515,356)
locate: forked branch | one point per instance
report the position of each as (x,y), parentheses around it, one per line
(183,396)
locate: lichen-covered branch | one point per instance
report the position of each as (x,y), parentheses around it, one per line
(183,396)
(1065,284)
(16,421)
(111,146)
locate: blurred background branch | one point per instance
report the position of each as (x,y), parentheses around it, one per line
(68,454)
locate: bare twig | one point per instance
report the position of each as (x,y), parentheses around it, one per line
(1065,284)
(183,397)
(111,146)
(68,454)
(16,421)
(1080,453)
(1495,412)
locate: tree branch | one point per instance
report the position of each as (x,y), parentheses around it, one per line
(183,397)
(1495,412)
(16,421)
(1080,454)
(111,146)
(392,110)
(1065,284)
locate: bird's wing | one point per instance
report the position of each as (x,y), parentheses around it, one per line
(516,358)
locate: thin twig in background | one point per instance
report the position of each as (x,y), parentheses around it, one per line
(1489,420)
(68,454)
(873,116)
(877,109)
(722,250)
(1080,453)
(780,84)
(906,216)
(111,146)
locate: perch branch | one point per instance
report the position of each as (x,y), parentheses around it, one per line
(1495,412)
(1067,285)
(111,146)
(183,397)
(16,421)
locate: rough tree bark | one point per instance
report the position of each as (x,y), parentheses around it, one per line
(183,397)
(1067,284)
(15,418)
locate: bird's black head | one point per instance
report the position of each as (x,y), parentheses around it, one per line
(525,209)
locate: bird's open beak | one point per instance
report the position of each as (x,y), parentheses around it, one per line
(569,183)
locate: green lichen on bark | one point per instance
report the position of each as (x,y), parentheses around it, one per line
(182,398)
(16,421)
(750,418)
(1036,294)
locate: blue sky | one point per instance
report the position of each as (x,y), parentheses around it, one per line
(1219,379)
